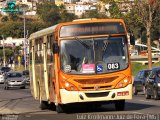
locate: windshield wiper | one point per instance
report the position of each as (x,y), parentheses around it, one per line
(82,43)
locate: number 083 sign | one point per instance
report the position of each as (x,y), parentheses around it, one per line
(113,66)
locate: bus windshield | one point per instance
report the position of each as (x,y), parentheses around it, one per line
(93,55)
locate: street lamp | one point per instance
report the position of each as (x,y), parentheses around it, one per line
(4,60)
(24,20)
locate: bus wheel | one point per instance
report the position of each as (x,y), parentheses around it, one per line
(43,105)
(119,105)
(59,108)
(52,106)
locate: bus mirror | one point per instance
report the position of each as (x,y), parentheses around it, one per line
(132,39)
(55,48)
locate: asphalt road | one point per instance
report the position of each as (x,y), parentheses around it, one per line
(18,104)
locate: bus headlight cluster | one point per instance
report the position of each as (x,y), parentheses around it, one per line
(122,83)
(68,86)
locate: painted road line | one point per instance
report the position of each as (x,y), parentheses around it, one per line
(145,101)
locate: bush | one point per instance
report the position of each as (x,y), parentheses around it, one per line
(136,67)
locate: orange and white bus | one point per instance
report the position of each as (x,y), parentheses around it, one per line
(83,61)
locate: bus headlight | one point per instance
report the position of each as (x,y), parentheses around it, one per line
(66,84)
(122,83)
(69,86)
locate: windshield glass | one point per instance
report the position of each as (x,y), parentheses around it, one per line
(93,55)
(10,75)
(158,73)
(25,72)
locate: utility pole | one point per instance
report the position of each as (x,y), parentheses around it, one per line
(4,56)
(24,20)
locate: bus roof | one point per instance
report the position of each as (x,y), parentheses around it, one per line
(93,20)
(42,32)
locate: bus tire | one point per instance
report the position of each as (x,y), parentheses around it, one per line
(59,108)
(43,105)
(52,106)
(119,105)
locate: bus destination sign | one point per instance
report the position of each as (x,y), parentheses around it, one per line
(92,29)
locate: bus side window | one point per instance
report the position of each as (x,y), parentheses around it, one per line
(49,50)
(55,47)
(36,51)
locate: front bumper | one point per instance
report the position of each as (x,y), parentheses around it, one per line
(91,96)
(1,80)
(139,88)
(158,89)
(13,85)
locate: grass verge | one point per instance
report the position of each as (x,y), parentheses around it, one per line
(138,66)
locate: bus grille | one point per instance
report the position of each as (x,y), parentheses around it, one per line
(96,81)
(99,94)
(99,88)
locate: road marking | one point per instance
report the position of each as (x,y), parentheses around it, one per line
(144,100)
(26,97)
(137,113)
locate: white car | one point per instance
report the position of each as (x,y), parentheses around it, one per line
(2,77)
(14,80)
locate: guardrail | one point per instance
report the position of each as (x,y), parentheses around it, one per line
(144,59)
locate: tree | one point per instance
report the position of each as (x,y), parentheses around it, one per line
(48,12)
(12,28)
(15,28)
(4,19)
(147,11)
(115,10)
(34,26)
(55,14)
(8,53)
(14,16)
(143,17)
(65,16)
(93,14)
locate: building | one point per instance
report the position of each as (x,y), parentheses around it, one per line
(77,8)
(70,8)
(59,2)
(11,42)
(125,6)
(26,2)
(82,7)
